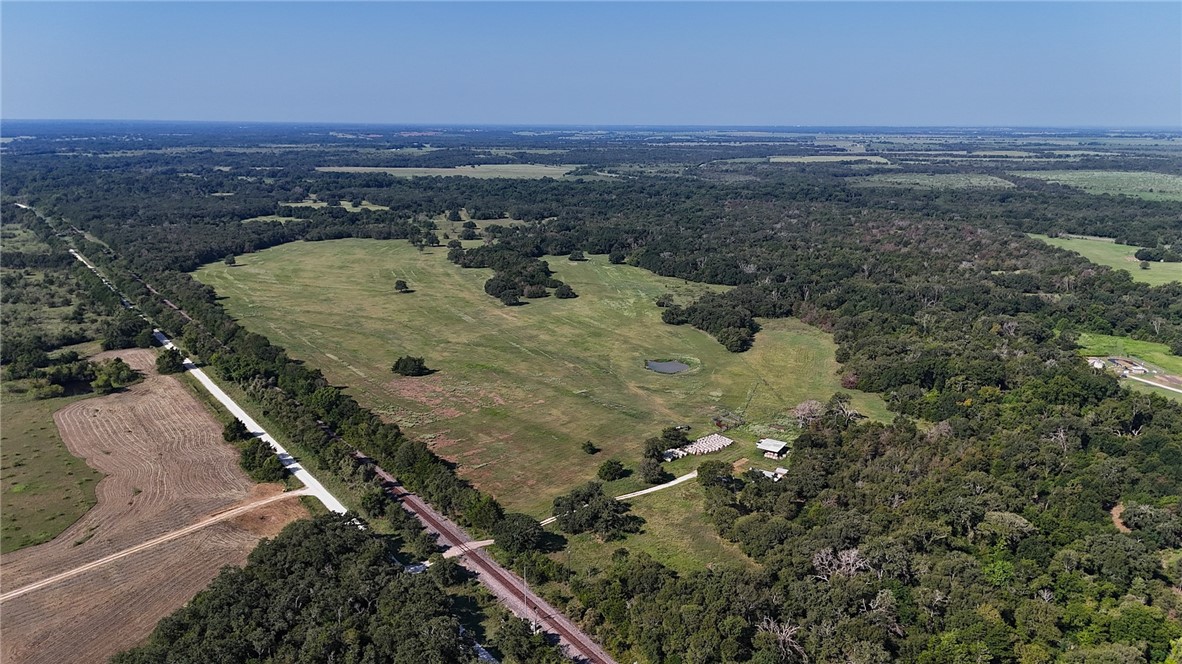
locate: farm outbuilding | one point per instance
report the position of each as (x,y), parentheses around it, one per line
(772,448)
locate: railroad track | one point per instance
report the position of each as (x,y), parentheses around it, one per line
(550,619)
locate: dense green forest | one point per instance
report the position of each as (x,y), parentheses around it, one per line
(977,527)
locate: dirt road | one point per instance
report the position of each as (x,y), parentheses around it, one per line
(228,514)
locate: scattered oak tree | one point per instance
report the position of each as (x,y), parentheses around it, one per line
(611,470)
(410,366)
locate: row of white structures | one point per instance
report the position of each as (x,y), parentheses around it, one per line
(771,448)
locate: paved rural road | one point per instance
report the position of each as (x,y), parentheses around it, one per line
(684,478)
(508,587)
(167,537)
(1149,382)
(314,487)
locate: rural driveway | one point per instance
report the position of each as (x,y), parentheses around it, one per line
(684,478)
(1149,382)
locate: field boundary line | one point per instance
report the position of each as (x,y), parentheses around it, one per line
(167,537)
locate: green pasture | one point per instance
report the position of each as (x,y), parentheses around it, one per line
(676,532)
(44,489)
(518,171)
(1141,184)
(1119,256)
(517,390)
(1155,354)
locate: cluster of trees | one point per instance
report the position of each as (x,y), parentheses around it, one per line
(588,509)
(113,375)
(1160,254)
(516,275)
(323,590)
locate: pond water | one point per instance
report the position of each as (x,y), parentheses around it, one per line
(670,367)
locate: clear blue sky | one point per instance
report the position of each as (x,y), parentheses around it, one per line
(879,63)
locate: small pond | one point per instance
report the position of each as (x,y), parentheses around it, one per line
(668,367)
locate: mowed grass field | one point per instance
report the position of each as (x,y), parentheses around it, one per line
(1141,184)
(44,489)
(517,390)
(519,171)
(1119,256)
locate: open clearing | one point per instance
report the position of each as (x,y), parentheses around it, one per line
(518,171)
(1155,356)
(518,389)
(933,181)
(676,532)
(1141,184)
(43,487)
(166,468)
(1102,251)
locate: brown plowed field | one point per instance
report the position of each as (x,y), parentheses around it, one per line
(166,467)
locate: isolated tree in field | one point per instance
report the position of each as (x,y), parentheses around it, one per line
(653,472)
(229,259)
(576,255)
(610,470)
(469,224)
(170,361)
(590,448)
(1144,265)
(401,286)
(410,366)
(517,533)
(654,448)
(113,375)
(469,234)
(235,431)
(565,292)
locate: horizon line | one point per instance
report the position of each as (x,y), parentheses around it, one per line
(600,125)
